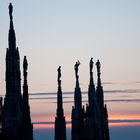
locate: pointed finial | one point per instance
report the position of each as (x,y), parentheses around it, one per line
(76,69)
(10,11)
(25,66)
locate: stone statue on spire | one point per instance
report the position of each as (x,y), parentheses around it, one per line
(98,66)
(10,11)
(59,75)
(91,65)
(76,69)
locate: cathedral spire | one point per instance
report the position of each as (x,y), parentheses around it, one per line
(12,110)
(91,90)
(59,94)
(77,94)
(12,37)
(78,112)
(60,123)
(27,132)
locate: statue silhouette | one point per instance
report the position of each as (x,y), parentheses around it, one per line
(76,68)
(98,66)
(59,75)
(91,65)
(10,10)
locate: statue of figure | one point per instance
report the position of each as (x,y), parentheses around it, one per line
(76,68)
(91,65)
(98,66)
(25,66)
(10,10)
(59,74)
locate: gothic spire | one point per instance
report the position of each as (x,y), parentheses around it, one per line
(91,90)
(77,94)
(27,132)
(60,123)
(12,38)
(78,112)
(12,110)
(59,94)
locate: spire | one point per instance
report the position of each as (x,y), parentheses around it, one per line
(60,123)
(78,112)
(12,38)
(12,110)
(91,90)
(98,65)
(59,94)
(27,132)
(77,94)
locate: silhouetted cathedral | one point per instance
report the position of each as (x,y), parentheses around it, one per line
(88,123)
(15,111)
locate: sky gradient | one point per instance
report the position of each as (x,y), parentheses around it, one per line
(60,32)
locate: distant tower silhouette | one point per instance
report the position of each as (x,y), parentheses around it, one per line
(12,113)
(77,110)
(60,124)
(27,132)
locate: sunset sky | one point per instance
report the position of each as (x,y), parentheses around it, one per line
(60,32)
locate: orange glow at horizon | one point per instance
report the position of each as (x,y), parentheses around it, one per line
(124,117)
(68,118)
(43,126)
(115,124)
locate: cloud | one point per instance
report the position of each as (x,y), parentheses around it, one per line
(85,92)
(121,83)
(124,100)
(123,91)
(107,101)
(46,98)
(109,83)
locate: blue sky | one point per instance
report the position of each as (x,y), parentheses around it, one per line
(53,33)
(60,32)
